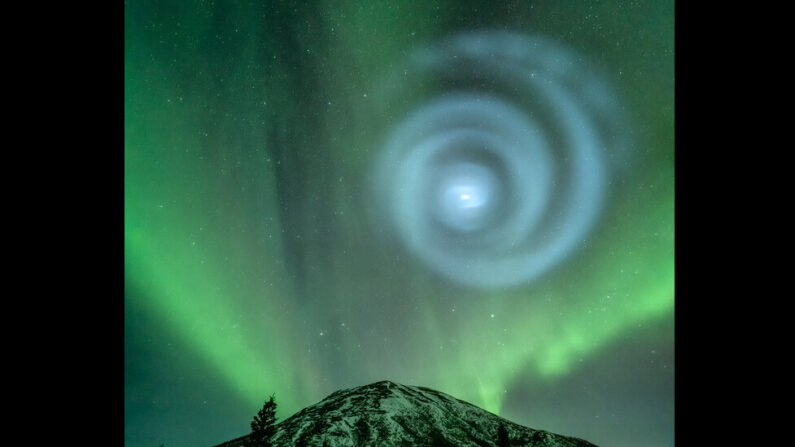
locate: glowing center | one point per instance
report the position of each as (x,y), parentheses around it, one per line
(465,196)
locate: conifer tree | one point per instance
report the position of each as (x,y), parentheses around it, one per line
(263,426)
(502,437)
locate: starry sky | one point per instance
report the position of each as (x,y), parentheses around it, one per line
(270,248)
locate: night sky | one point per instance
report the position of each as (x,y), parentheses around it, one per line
(474,197)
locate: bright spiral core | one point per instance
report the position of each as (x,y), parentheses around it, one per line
(502,173)
(466,196)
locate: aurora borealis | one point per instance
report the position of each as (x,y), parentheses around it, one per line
(257,260)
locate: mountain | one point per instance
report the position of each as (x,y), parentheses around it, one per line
(390,414)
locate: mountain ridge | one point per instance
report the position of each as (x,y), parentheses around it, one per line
(386,413)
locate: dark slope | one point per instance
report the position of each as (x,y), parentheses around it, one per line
(390,414)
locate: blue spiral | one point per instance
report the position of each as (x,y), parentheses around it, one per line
(502,172)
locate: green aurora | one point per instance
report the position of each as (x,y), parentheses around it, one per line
(249,133)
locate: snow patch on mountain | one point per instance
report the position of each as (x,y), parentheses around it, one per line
(390,414)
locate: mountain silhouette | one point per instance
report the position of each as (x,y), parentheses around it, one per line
(390,414)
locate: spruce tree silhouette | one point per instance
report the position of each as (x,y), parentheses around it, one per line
(263,426)
(502,437)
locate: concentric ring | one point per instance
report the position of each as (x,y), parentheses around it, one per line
(502,171)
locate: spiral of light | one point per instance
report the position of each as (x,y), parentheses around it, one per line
(502,171)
